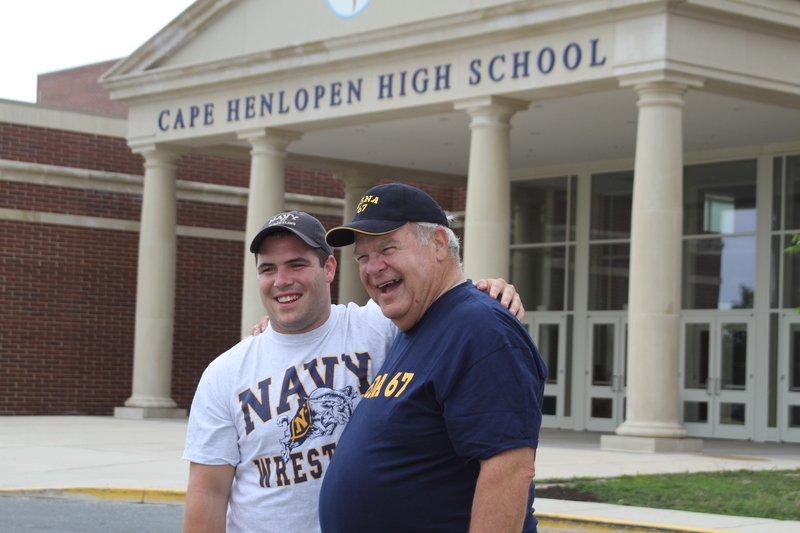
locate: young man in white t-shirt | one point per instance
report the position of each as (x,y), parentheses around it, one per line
(268,413)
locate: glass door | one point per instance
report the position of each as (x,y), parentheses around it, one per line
(716,378)
(789,379)
(606,374)
(549,334)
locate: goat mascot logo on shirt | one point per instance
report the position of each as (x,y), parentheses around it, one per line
(318,415)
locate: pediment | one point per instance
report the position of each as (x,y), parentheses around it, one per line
(210,31)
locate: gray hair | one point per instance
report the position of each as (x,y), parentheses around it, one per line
(424,232)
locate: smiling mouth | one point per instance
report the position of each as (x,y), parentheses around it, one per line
(384,287)
(287,299)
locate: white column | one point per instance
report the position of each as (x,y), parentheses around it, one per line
(487,223)
(654,294)
(155,293)
(350,287)
(266,198)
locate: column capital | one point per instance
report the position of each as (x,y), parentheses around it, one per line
(664,78)
(491,108)
(156,152)
(269,135)
(661,88)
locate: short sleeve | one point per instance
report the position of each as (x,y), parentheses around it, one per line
(496,404)
(211,436)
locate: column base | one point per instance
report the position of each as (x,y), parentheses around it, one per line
(141,413)
(650,444)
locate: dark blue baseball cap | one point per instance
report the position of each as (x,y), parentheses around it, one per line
(308,228)
(387,208)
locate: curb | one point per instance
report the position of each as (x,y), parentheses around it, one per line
(556,521)
(567,523)
(125,493)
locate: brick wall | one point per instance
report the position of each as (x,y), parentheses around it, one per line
(67,304)
(67,149)
(68,294)
(202,169)
(208,303)
(313,182)
(77,88)
(68,201)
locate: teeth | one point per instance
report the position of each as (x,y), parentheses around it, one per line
(382,285)
(284,299)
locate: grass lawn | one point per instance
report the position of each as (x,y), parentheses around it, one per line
(758,493)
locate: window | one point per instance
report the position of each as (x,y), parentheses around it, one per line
(719,247)
(610,232)
(542,242)
(785,268)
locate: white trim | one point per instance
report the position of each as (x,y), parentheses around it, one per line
(59,118)
(210,233)
(689,158)
(140,77)
(19,215)
(56,219)
(73,178)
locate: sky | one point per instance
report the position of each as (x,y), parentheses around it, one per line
(39,36)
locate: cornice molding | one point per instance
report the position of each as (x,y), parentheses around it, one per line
(93,180)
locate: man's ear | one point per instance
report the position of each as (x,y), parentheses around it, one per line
(330,269)
(439,239)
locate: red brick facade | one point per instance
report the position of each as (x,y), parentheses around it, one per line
(67,149)
(68,294)
(77,88)
(67,305)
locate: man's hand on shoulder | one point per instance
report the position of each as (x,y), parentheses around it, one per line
(507,294)
(261,327)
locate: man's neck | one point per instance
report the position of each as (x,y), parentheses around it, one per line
(449,277)
(452,277)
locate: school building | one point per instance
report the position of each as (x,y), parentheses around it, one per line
(632,166)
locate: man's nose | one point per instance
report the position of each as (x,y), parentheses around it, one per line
(374,265)
(283,277)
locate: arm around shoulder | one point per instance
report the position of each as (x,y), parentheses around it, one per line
(207,498)
(500,289)
(501,494)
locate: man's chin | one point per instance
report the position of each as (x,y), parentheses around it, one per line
(286,321)
(390,310)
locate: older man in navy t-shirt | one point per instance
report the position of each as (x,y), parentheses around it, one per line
(445,438)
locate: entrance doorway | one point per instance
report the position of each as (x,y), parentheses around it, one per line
(549,332)
(608,342)
(789,378)
(716,376)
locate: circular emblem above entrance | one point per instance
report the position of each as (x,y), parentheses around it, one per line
(348,8)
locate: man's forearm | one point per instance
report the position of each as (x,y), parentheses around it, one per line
(204,514)
(501,494)
(207,498)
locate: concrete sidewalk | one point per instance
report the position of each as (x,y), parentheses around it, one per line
(126,458)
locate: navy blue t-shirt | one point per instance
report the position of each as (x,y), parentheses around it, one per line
(463,385)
